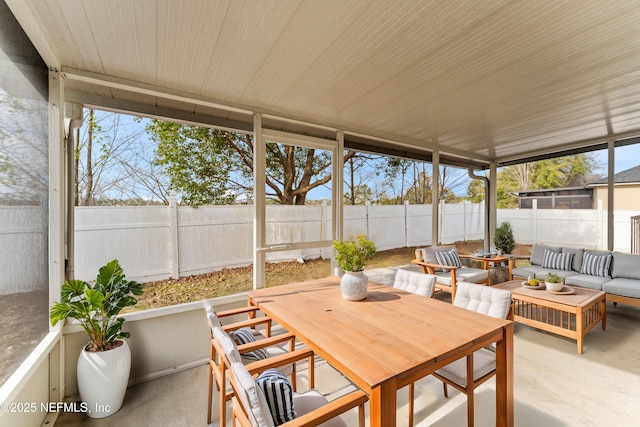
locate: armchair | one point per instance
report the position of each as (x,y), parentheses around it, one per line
(449,271)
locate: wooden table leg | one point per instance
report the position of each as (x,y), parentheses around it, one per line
(603,310)
(579,329)
(382,405)
(504,379)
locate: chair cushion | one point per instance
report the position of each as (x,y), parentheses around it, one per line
(228,345)
(214,321)
(414,282)
(596,265)
(312,400)
(245,336)
(484,362)
(252,397)
(429,254)
(483,299)
(556,260)
(448,258)
(463,274)
(625,266)
(279,395)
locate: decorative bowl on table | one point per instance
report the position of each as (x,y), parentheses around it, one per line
(555,287)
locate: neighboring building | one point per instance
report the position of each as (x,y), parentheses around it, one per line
(627,190)
(556,198)
(627,194)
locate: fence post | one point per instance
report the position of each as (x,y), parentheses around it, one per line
(406,223)
(367,204)
(173,230)
(534,221)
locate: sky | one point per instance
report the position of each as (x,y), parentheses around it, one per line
(625,158)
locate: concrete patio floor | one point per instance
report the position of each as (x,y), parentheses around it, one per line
(554,385)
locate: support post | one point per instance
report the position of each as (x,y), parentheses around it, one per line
(610,190)
(259,215)
(493,201)
(337,202)
(435,190)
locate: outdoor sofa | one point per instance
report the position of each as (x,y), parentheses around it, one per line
(616,273)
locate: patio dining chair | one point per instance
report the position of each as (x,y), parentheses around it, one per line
(267,344)
(228,352)
(255,406)
(414,282)
(420,284)
(444,263)
(466,374)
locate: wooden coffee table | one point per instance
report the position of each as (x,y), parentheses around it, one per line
(571,315)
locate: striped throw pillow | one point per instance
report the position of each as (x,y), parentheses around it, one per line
(596,265)
(557,260)
(279,395)
(448,258)
(245,336)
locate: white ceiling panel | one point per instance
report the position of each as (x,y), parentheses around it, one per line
(487,80)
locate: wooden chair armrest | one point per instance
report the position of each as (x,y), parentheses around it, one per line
(331,410)
(438,266)
(266,342)
(234,311)
(427,264)
(249,323)
(278,361)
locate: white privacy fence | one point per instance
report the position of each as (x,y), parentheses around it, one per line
(157,242)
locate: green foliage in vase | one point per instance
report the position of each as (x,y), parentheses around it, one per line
(553,278)
(352,255)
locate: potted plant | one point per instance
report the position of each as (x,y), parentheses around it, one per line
(503,239)
(553,282)
(351,256)
(104,363)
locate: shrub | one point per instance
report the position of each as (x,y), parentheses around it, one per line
(503,238)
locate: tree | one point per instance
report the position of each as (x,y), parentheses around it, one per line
(475,191)
(212,166)
(114,162)
(558,172)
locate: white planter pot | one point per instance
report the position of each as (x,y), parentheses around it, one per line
(353,285)
(103,378)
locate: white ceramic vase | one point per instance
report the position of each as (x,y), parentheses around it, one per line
(353,285)
(103,378)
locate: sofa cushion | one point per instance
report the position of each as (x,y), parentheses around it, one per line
(625,266)
(578,253)
(529,270)
(557,260)
(596,265)
(623,287)
(537,252)
(586,281)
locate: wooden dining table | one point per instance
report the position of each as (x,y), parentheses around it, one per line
(389,339)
